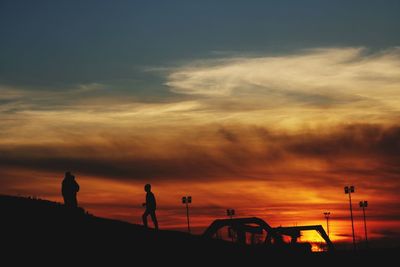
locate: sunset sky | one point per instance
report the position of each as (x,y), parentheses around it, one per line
(267,107)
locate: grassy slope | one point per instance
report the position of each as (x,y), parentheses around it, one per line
(46,232)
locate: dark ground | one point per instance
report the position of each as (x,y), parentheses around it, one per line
(46,233)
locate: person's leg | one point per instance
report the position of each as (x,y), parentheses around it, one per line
(74,201)
(67,201)
(144,218)
(154,219)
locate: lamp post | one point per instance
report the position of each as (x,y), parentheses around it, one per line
(327,213)
(363,205)
(348,190)
(187,200)
(230,213)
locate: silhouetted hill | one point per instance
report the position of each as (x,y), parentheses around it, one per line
(40,231)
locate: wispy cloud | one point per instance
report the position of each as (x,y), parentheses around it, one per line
(16,99)
(315,87)
(319,71)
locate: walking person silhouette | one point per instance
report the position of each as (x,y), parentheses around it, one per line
(69,189)
(150,207)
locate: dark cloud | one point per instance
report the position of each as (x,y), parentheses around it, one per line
(387,233)
(364,139)
(227,153)
(197,165)
(228,135)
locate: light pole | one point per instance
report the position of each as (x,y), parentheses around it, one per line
(187,200)
(363,205)
(230,213)
(348,190)
(327,213)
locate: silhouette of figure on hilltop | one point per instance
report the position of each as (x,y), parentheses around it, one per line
(69,189)
(150,207)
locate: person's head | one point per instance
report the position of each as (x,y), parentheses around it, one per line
(147,187)
(69,175)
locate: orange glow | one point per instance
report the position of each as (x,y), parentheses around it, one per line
(288,206)
(272,137)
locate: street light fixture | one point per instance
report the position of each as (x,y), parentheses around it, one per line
(327,213)
(187,200)
(230,212)
(348,190)
(363,205)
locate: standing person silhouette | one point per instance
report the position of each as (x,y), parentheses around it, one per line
(69,189)
(150,207)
